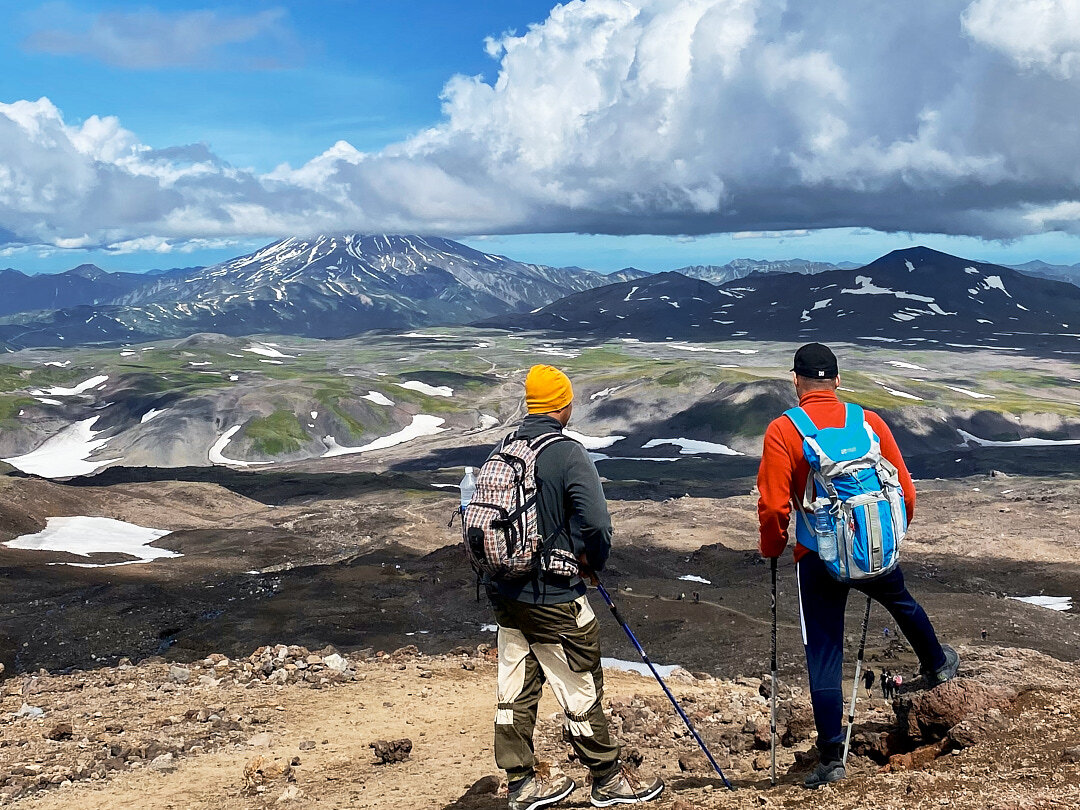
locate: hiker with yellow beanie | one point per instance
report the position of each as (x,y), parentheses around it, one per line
(547,629)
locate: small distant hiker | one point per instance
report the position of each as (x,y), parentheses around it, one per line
(885,632)
(868,681)
(886,682)
(898,681)
(983,634)
(785,477)
(547,631)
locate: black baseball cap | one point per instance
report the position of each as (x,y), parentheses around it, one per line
(816,361)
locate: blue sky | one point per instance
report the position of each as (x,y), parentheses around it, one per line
(668,132)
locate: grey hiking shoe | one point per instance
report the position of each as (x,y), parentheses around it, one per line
(539,791)
(946,672)
(825,773)
(626,786)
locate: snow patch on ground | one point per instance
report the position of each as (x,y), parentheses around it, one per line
(65,453)
(967,392)
(607,392)
(866,286)
(902,364)
(151,414)
(377,398)
(593,442)
(266,350)
(686,347)
(216,452)
(489,628)
(1028,442)
(81,388)
(421,425)
(487,421)
(430,390)
(96,535)
(691,446)
(903,394)
(1052,602)
(695,578)
(639,667)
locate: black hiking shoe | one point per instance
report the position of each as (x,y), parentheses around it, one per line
(825,773)
(626,786)
(538,791)
(928,680)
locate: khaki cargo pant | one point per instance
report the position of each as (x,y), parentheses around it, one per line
(559,644)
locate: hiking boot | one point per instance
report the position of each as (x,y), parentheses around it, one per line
(536,792)
(825,773)
(626,786)
(947,671)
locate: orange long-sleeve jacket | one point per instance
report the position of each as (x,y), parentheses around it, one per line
(784,468)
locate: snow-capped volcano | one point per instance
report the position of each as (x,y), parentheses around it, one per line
(331,285)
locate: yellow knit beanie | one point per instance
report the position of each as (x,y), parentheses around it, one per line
(547,389)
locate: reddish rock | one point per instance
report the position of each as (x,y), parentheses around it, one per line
(928,716)
(919,758)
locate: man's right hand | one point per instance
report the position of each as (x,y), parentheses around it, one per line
(586,572)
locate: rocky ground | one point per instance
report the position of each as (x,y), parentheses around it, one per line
(286,727)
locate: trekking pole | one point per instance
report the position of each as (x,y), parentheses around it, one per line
(858,669)
(641,651)
(772,730)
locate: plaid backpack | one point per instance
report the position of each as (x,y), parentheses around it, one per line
(499,526)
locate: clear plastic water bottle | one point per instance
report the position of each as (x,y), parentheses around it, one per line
(825,531)
(468,488)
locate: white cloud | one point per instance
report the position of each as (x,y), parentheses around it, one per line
(635,116)
(149,39)
(1037,34)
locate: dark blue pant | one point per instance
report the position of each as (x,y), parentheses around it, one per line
(822,601)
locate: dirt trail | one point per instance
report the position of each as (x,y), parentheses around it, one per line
(1028,758)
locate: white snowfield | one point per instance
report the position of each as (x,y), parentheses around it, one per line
(96,535)
(866,286)
(638,666)
(695,578)
(266,350)
(487,421)
(377,398)
(967,392)
(902,364)
(1028,442)
(902,394)
(217,456)
(686,347)
(64,454)
(424,388)
(1061,603)
(607,392)
(691,446)
(81,388)
(421,425)
(593,442)
(151,414)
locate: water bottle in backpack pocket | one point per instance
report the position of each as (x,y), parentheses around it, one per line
(853,511)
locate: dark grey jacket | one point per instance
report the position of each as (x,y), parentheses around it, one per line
(571,510)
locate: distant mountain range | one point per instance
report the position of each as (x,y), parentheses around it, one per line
(918,297)
(327,286)
(741,268)
(1057,272)
(336,285)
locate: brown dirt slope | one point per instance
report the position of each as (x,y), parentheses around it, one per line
(285,727)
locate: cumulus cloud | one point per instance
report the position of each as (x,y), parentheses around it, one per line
(639,116)
(148,39)
(1037,34)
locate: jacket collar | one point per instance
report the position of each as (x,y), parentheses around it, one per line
(536,424)
(817,398)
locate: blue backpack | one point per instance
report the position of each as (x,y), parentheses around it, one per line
(853,512)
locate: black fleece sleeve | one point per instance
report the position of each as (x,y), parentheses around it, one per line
(587,498)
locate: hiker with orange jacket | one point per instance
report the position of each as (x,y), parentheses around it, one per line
(782,478)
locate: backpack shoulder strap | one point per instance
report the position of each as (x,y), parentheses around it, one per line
(854,415)
(542,442)
(802,421)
